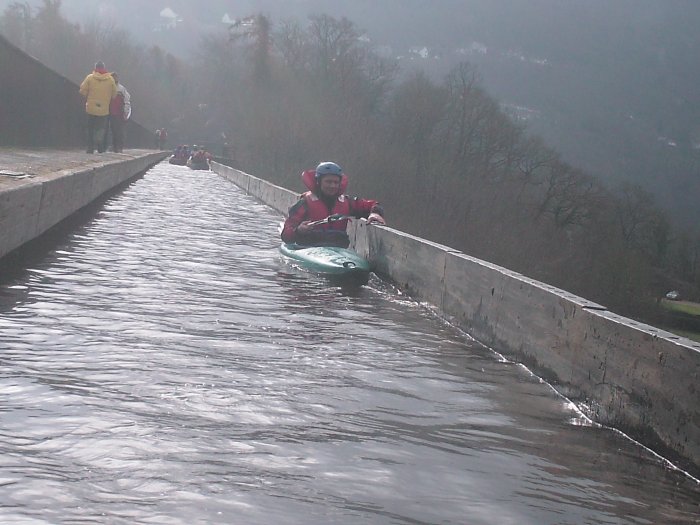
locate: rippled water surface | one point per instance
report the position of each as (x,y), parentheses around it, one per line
(162,364)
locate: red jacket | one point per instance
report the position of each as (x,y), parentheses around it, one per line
(116,106)
(311,207)
(201,156)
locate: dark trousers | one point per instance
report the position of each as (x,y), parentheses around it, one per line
(116,127)
(96,128)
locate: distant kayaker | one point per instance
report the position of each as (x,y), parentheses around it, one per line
(326,198)
(201,155)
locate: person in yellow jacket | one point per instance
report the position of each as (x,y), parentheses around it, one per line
(99,89)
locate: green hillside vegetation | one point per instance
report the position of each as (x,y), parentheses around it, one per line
(683,317)
(685,307)
(446,161)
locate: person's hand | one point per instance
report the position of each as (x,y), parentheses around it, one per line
(375,218)
(304,227)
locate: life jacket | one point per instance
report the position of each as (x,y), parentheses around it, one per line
(317,208)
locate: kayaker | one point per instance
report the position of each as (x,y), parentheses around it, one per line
(326,198)
(201,155)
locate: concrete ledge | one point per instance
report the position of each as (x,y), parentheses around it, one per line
(414,264)
(277,197)
(29,209)
(19,215)
(625,374)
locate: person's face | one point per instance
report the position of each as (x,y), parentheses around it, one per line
(330,185)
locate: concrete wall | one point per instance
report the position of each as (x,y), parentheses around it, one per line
(28,210)
(625,374)
(40,108)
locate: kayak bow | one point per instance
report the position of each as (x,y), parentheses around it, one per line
(330,261)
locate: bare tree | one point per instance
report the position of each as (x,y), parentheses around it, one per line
(17,25)
(293,44)
(258,30)
(334,42)
(569,196)
(417,108)
(643,225)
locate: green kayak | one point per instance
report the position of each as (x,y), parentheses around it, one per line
(330,261)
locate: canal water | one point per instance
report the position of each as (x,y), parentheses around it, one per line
(160,363)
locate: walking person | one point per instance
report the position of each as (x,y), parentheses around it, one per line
(119,113)
(161,137)
(98,88)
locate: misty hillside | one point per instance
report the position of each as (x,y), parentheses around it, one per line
(612,85)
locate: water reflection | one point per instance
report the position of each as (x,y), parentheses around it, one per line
(163,364)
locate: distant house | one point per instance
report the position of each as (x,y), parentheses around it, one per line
(669,142)
(169,19)
(517,55)
(227,19)
(420,51)
(520,113)
(384,51)
(476,48)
